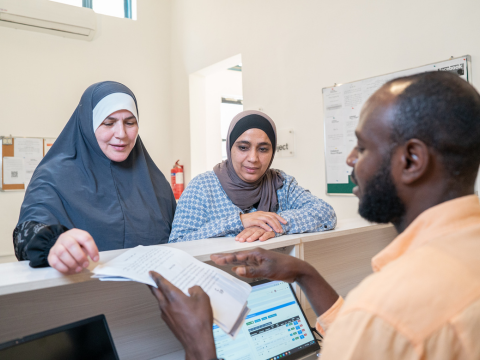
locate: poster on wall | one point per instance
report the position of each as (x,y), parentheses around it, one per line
(341,109)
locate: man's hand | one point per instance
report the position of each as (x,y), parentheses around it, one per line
(189,318)
(260,263)
(254,233)
(264,264)
(268,221)
(70,253)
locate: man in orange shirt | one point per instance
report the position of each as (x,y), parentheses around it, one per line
(415,166)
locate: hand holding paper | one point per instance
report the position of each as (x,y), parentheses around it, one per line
(195,310)
(228,295)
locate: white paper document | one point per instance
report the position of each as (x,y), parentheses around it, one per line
(47,144)
(13,171)
(31,151)
(228,295)
(28,148)
(30,166)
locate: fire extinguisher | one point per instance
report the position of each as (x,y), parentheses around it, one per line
(177,180)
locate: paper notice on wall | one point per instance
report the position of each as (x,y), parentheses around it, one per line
(337,172)
(373,84)
(28,148)
(30,166)
(334,131)
(13,171)
(333,101)
(47,143)
(31,151)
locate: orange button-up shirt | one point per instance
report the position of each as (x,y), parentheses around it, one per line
(423,299)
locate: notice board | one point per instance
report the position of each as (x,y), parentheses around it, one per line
(19,157)
(341,108)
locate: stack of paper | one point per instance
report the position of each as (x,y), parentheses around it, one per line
(228,295)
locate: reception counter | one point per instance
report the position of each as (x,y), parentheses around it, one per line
(33,300)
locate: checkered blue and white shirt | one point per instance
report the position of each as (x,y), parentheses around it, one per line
(205,211)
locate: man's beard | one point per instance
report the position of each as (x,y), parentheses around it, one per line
(380,202)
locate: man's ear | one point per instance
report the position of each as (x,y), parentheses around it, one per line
(415,159)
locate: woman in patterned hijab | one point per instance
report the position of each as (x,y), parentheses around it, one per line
(244,197)
(245,183)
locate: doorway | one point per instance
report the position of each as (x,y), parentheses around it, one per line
(216,96)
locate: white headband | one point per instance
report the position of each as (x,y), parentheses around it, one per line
(111,103)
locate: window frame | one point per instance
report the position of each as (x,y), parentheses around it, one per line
(127,7)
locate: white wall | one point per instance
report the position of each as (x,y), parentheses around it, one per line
(43,77)
(291,49)
(206,91)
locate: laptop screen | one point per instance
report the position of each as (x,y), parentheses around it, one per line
(85,339)
(275,327)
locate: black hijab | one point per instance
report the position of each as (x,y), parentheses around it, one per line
(121,204)
(243,194)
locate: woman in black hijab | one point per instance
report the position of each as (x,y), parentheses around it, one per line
(243,197)
(96,189)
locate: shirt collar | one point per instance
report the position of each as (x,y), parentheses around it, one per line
(441,219)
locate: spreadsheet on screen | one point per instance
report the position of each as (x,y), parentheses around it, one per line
(274,328)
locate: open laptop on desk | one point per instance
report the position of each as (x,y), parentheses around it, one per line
(275,328)
(85,339)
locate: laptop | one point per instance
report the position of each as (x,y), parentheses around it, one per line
(275,328)
(85,339)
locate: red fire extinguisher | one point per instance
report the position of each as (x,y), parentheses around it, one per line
(177,180)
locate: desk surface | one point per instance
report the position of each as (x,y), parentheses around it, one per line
(20,277)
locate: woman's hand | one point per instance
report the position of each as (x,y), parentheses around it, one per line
(189,317)
(70,253)
(254,233)
(268,221)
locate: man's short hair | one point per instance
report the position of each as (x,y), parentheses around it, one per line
(442,110)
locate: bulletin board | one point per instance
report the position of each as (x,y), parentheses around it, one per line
(19,158)
(341,108)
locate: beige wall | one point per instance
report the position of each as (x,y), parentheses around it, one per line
(43,77)
(292,49)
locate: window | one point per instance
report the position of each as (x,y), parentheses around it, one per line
(70,2)
(118,8)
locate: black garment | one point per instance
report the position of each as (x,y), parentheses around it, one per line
(33,241)
(121,204)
